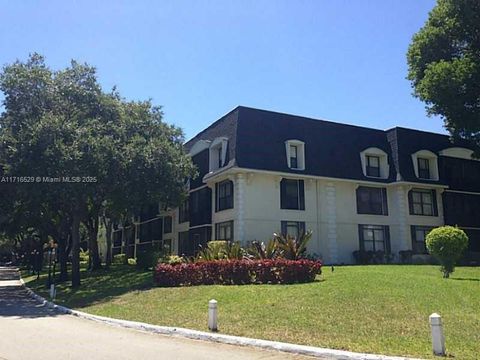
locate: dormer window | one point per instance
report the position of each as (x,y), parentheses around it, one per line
(423,168)
(295,154)
(373,165)
(425,165)
(218,153)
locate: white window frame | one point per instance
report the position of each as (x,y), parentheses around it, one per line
(218,147)
(383,159)
(432,163)
(223,225)
(300,146)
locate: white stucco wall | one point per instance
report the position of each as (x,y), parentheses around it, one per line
(330,212)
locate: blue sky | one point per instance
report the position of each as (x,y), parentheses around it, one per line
(338,60)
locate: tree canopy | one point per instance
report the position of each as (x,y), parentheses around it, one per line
(444,66)
(102,151)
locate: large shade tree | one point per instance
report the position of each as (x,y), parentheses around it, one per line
(102,149)
(444,66)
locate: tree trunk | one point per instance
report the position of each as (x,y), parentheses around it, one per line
(108,228)
(62,258)
(92,226)
(76,249)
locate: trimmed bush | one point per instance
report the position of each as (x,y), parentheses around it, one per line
(237,272)
(172,260)
(372,257)
(120,259)
(132,262)
(84,257)
(447,244)
(147,258)
(405,256)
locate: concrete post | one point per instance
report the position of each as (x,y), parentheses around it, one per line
(212,315)
(52,291)
(438,339)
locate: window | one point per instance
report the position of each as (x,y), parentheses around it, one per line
(184,244)
(167,224)
(218,153)
(374,238)
(184,212)
(195,199)
(371,200)
(419,234)
(425,165)
(373,166)
(374,163)
(295,154)
(423,168)
(293,228)
(292,194)
(224,195)
(156,226)
(422,202)
(224,231)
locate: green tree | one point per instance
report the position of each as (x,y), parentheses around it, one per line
(444,66)
(116,153)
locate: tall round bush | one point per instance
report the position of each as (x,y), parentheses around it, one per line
(447,244)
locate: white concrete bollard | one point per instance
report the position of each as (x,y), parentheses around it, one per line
(52,291)
(212,315)
(438,340)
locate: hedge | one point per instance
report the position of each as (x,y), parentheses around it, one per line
(237,272)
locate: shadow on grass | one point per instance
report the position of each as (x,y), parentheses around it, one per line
(103,285)
(465,279)
(98,286)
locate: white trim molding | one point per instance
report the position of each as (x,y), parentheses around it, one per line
(239,223)
(432,161)
(458,152)
(199,146)
(383,159)
(331,194)
(300,145)
(402,218)
(215,162)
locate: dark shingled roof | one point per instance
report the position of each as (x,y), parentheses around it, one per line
(331,149)
(257,141)
(225,126)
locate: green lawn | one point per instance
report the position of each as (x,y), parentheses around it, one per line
(376,309)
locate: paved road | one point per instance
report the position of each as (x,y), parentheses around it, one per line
(31,331)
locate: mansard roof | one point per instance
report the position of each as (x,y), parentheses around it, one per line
(256,140)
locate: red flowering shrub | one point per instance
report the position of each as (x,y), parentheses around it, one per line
(237,272)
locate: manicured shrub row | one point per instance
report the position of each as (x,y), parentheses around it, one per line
(237,272)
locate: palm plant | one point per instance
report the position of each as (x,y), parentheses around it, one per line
(221,250)
(260,250)
(233,251)
(291,247)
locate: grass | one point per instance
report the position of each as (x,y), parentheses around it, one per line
(374,309)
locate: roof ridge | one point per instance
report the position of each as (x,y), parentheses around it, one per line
(313,119)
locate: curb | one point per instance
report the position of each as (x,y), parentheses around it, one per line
(322,353)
